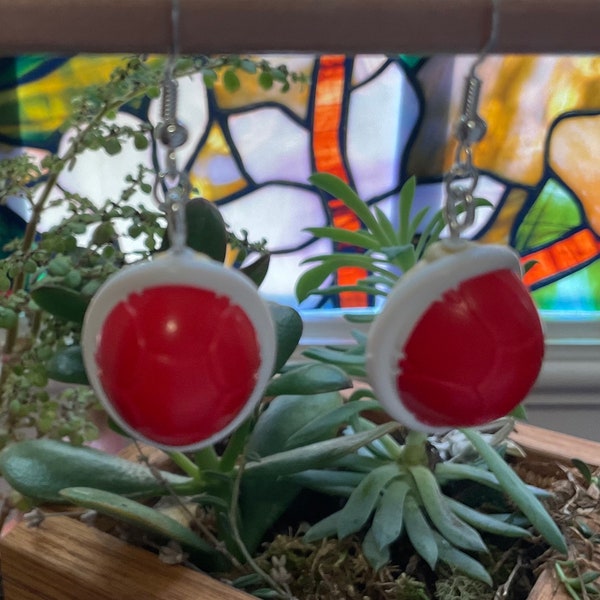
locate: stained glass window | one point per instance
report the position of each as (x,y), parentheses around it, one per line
(372,120)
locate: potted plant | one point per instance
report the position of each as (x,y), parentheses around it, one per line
(370,487)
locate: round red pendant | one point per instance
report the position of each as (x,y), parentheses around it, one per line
(459,342)
(178,350)
(485,356)
(178,362)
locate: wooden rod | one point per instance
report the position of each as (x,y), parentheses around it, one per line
(329,26)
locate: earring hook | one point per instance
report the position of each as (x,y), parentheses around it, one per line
(172,134)
(492,38)
(462,178)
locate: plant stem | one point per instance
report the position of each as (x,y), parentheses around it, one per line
(415,449)
(233,523)
(185,464)
(206,459)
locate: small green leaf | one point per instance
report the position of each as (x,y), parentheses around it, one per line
(288,331)
(312,378)
(485,522)
(329,355)
(386,225)
(518,492)
(377,555)
(419,532)
(388,520)
(265,80)
(206,230)
(447,522)
(61,301)
(327,527)
(583,469)
(231,81)
(407,195)
(257,270)
(362,502)
(461,561)
(360,239)
(247,65)
(67,366)
(340,190)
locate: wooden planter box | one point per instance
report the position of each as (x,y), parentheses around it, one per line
(65,559)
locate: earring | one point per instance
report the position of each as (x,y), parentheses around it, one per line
(178,349)
(459,341)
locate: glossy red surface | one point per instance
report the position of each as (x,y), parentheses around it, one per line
(474,355)
(177,362)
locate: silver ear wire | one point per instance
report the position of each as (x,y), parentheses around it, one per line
(172,188)
(461,180)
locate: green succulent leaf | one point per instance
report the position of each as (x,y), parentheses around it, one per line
(377,556)
(326,481)
(419,532)
(287,414)
(362,502)
(388,519)
(312,378)
(460,561)
(315,456)
(340,190)
(264,499)
(447,522)
(519,493)
(386,225)
(325,528)
(407,194)
(485,522)
(142,516)
(359,239)
(331,421)
(288,331)
(40,468)
(67,366)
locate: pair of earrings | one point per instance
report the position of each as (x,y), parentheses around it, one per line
(180,349)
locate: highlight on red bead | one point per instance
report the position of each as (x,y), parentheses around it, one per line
(459,341)
(178,350)
(177,362)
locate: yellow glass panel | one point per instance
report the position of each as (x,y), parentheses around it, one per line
(573,154)
(214,172)
(500,231)
(296,99)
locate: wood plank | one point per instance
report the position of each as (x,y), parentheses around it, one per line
(331,26)
(64,559)
(559,446)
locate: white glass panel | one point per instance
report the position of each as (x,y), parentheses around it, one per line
(272,146)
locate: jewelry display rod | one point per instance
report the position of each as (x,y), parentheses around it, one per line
(327,26)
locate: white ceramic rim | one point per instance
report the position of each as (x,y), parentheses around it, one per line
(408,301)
(186,268)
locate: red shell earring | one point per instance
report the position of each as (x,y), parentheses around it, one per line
(178,349)
(459,341)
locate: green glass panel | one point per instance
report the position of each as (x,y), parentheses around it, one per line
(579,291)
(554,213)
